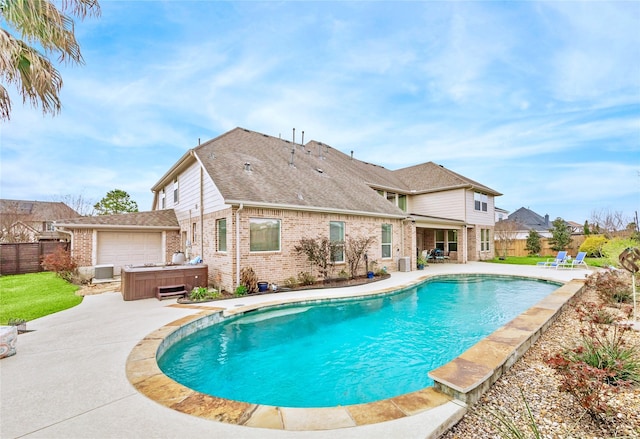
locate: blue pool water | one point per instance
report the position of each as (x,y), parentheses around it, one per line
(348,352)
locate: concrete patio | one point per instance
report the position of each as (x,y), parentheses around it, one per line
(68,378)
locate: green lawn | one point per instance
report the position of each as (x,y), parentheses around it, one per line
(533,260)
(29,296)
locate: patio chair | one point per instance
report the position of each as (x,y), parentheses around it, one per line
(554,262)
(578,261)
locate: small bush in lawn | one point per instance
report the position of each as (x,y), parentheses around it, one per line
(593,245)
(61,262)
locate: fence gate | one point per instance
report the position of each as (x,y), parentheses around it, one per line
(25,257)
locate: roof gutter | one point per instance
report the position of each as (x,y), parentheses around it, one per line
(117,226)
(167,176)
(245,203)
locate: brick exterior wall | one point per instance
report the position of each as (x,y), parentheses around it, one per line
(276,267)
(82,246)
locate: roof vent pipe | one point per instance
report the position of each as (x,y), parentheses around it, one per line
(352,154)
(293,151)
(294,136)
(302,143)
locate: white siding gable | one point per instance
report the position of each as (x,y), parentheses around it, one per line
(446,204)
(480,217)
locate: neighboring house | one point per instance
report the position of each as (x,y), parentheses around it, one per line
(501,214)
(529,220)
(245,199)
(32,221)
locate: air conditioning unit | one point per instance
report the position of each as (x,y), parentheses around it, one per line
(404,263)
(103,272)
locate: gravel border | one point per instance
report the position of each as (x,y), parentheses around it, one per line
(557,414)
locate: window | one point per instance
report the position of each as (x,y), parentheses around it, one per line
(402,202)
(175,191)
(163,204)
(452,240)
(391,196)
(387,233)
(47,226)
(221,226)
(480,201)
(484,240)
(440,239)
(264,235)
(194,234)
(336,236)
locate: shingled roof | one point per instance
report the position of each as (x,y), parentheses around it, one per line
(155,219)
(254,168)
(251,167)
(530,220)
(35,211)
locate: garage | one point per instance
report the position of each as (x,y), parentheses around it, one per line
(129,248)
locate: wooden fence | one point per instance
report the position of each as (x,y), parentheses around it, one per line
(517,247)
(25,257)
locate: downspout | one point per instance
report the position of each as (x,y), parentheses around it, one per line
(201,217)
(238,243)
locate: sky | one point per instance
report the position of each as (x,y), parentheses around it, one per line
(539,101)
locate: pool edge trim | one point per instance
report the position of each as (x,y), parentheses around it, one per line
(457,384)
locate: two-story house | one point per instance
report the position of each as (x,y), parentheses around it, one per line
(246,199)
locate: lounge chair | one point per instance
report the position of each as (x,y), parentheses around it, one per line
(578,261)
(554,262)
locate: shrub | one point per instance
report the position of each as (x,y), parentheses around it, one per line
(534,243)
(593,245)
(291,282)
(319,251)
(249,279)
(594,313)
(306,278)
(203,293)
(598,367)
(613,286)
(241,290)
(60,262)
(612,249)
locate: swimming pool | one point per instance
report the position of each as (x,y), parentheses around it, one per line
(348,352)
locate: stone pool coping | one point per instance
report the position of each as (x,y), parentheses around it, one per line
(457,383)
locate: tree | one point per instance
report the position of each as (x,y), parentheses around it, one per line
(354,251)
(560,235)
(533,243)
(585,229)
(607,221)
(319,251)
(41,24)
(506,232)
(116,201)
(79,203)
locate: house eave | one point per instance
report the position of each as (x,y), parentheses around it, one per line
(114,227)
(182,163)
(318,209)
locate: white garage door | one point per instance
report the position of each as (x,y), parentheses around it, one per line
(129,248)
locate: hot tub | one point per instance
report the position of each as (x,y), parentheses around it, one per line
(142,282)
